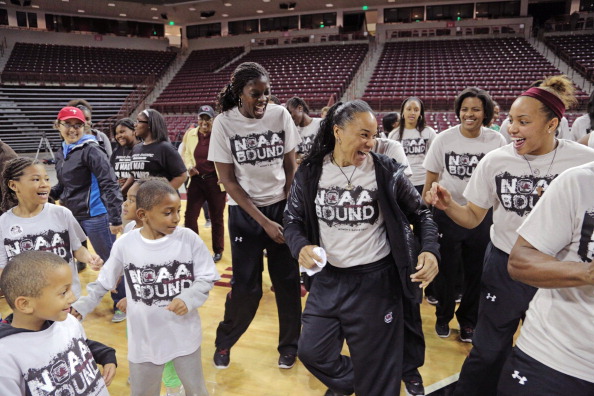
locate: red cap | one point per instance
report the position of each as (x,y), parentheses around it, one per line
(70,112)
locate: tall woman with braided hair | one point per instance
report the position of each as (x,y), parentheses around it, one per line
(253,147)
(511,180)
(357,206)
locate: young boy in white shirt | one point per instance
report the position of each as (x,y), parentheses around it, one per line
(44,348)
(168,273)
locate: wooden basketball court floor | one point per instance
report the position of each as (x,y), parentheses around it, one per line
(253,369)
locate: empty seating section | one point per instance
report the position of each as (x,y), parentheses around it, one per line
(177,125)
(313,73)
(67,64)
(436,71)
(30,111)
(576,50)
(196,83)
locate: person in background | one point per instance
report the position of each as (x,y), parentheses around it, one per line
(6,154)
(584,124)
(155,155)
(452,159)
(204,185)
(87,185)
(390,122)
(493,125)
(306,125)
(87,110)
(324,111)
(122,155)
(416,137)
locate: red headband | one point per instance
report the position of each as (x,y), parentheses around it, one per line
(550,100)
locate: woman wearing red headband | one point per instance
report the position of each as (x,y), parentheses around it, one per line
(510,179)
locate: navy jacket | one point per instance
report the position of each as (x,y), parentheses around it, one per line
(399,202)
(74,181)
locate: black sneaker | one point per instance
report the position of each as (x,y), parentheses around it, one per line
(414,388)
(466,333)
(217,257)
(286,361)
(442,330)
(431,300)
(221,358)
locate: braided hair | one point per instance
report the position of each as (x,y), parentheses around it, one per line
(228,98)
(13,170)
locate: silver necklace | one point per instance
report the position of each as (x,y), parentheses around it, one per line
(349,185)
(535,173)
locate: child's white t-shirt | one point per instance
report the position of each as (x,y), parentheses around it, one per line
(352,229)
(558,327)
(256,148)
(455,157)
(157,271)
(510,184)
(54,229)
(415,144)
(54,361)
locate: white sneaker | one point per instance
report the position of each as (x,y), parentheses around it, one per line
(207,224)
(175,391)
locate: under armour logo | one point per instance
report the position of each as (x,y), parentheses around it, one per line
(238,239)
(490,297)
(388,318)
(521,380)
(440,235)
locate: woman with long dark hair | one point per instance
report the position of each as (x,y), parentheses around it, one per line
(415,136)
(122,155)
(253,147)
(357,206)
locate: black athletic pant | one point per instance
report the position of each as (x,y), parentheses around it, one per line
(525,376)
(362,305)
(460,246)
(414,341)
(503,304)
(248,240)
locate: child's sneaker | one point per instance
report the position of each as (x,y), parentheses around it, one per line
(118,316)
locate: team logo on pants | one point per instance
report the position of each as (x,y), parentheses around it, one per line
(388,318)
(521,380)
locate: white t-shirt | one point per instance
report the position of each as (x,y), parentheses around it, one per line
(129,227)
(455,157)
(54,229)
(257,148)
(352,229)
(54,361)
(393,149)
(415,144)
(503,180)
(156,272)
(558,327)
(564,132)
(580,127)
(308,133)
(591,140)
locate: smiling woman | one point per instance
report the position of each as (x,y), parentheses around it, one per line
(253,147)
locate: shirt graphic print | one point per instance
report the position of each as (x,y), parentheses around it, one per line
(258,149)
(519,194)
(337,206)
(158,284)
(462,165)
(70,373)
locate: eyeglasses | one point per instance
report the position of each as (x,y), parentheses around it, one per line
(68,126)
(140,122)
